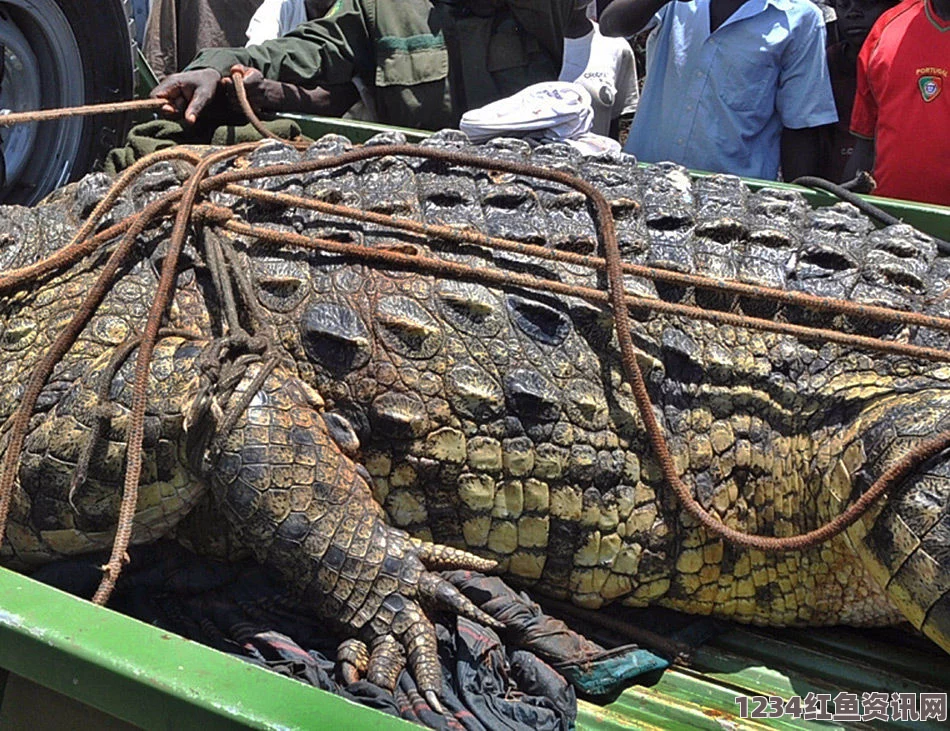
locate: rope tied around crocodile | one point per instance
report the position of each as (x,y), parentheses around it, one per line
(229,357)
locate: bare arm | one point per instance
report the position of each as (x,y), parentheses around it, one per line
(266,95)
(799,152)
(862,159)
(628,17)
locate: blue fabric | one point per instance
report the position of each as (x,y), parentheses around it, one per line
(718,102)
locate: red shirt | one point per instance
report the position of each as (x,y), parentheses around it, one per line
(903,102)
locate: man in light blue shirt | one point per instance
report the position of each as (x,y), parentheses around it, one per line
(732,86)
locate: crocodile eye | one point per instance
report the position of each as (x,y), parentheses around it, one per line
(335,337)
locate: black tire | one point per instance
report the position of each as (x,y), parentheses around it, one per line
(62,53)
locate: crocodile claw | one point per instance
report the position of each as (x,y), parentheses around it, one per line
(353,659)
(433,700)
(391,627)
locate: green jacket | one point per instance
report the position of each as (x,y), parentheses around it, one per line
(425,61)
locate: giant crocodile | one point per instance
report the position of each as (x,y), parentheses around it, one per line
(409,412)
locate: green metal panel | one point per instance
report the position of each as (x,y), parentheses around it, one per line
(931,219)
(358,132)
(156,680)
(145,78)
(152,678)
(746,661)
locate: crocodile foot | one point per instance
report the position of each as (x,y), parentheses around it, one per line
(397,633)
(305,508)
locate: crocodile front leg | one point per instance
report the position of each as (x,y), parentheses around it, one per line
(304,508)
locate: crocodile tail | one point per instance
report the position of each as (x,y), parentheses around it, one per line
(905,544)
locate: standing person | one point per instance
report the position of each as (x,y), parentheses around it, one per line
(426,61)
(604,66)
(276,18)
(732,86)
(177,29)
(855,20)
(902,109)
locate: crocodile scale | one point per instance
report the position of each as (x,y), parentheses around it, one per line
(497,420)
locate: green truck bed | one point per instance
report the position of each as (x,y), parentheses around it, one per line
(65,663)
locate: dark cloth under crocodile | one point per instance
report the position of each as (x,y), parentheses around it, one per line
(526,681)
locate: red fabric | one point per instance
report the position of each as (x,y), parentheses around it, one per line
(903,102)
(837,142)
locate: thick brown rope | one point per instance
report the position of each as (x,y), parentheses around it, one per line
(442,267)
(237,78)
(47,115)
(105,407)
(81,245)
(891,476)
(20,419)
(136,429)
(617,298)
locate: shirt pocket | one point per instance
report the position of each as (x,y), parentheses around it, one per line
(747,80)
(411,61)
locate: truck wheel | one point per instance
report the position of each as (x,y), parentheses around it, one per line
(60,53)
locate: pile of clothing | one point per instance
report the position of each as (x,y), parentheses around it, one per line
(552,111)
(528,678)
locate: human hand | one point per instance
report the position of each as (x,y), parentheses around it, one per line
(187,92)
(264,95)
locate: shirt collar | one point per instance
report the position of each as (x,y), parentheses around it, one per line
(938,22)
(754,7)
(757,6)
